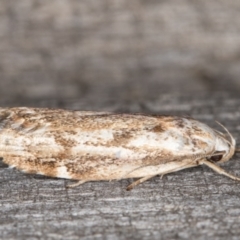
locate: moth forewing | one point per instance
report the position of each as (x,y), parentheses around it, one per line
(92,146)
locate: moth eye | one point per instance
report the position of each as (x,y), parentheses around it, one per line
(216,158)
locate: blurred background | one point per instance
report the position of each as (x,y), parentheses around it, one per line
(95,52)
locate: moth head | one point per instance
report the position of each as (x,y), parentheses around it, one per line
(224,147)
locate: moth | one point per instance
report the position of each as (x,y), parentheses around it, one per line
(93,146)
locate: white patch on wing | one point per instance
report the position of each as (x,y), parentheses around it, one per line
(164,141)
(111,152)
(62,172)
(11,166)
(106,135)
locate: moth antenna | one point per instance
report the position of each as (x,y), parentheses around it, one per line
(218,169)
(232,142)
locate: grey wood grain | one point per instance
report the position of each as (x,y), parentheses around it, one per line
(194,203)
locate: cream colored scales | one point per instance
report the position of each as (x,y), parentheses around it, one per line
(92,146)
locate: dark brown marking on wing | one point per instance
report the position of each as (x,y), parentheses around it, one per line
(121,139)
(180,123)
(158,128)
(64,142)
(33,165)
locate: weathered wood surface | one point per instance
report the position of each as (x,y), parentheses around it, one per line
(190,204)
(164,57)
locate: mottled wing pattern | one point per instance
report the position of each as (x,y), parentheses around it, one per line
(95,146)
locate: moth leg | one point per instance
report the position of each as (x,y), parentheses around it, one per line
(126,174)
(177,169)
(182,166)
(218,169)
(76,184)
(141,180)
